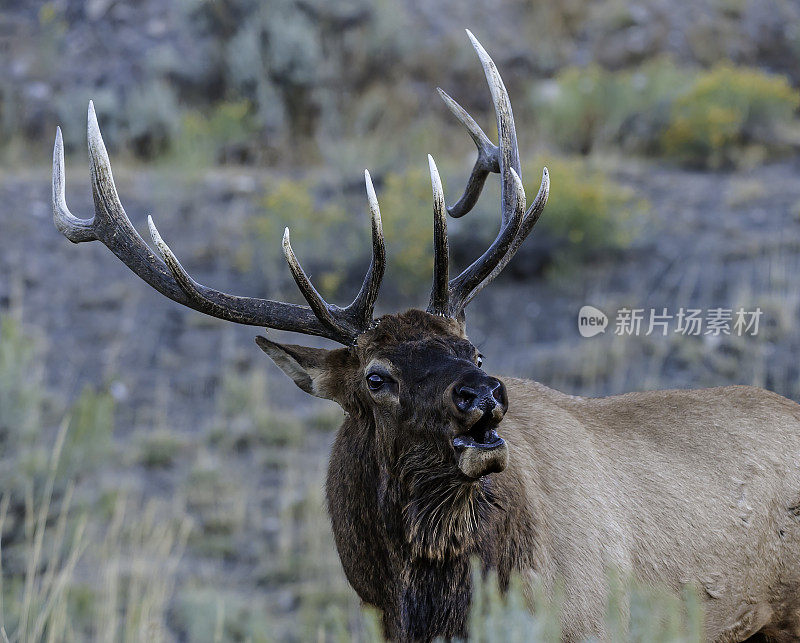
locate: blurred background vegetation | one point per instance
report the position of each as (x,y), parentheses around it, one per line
(159,479)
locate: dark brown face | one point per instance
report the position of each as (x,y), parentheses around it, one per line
(421,380)
(433,390)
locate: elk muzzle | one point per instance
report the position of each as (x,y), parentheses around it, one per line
(479,404)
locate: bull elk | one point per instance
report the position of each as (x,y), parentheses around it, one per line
(437,462)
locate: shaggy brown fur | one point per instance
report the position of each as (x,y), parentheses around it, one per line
(673,487)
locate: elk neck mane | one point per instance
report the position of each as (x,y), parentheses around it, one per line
(443,515)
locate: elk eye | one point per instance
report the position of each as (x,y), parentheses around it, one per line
(479,361)
(375,381)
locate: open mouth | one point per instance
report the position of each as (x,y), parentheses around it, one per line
(482,434)
(480,450)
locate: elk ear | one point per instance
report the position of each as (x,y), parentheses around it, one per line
(317,371)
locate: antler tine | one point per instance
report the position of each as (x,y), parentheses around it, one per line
(188,285)
(364,303)
(75,229)
(111,226)
(488,159)
(440,291)
(506,132)
(322,309)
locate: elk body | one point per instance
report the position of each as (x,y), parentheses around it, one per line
(437,462)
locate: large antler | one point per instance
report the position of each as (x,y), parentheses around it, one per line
(111,226)
(449,298)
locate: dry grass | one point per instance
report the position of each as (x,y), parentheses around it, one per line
(84,579)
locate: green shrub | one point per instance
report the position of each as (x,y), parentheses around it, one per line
(699,118)
(154,120)
(212,614)
(651,91)
(24,460)
(509,617)
(304,66)
(587,212)
(586,108)
(225,133)
(217,503)
(725,109)
(590,107)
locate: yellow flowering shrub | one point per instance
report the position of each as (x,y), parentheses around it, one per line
(725,109)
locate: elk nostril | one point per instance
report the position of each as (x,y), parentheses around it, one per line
(464,397)
(486,394)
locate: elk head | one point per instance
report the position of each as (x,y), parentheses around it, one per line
(414,376)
